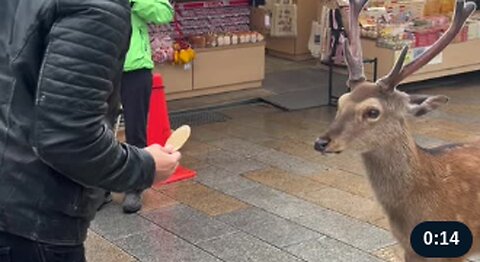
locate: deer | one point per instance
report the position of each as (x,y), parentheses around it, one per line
(411,183)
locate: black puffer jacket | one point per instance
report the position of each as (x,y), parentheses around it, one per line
(60,65)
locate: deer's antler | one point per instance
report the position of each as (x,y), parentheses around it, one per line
(353,47)
(399,72)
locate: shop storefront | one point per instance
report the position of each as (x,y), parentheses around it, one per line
(209,48)
(388,25)
(217,46)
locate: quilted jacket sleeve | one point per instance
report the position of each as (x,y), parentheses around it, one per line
(84,54)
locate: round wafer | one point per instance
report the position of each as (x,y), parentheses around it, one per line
(179,137)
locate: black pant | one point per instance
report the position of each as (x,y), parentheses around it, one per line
(18,249)
(135,92)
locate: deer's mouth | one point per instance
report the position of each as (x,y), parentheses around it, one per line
(330,152)
(324,146)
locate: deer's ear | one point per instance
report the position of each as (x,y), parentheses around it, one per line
(420,106)
(417,99)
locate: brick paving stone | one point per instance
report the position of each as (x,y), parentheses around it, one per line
(189,224)
(177,185)
(162,246)
(153,200)
(239,146)
(247,133)
(350,161)
(112,224)
(191,162)
(293,147)
(274,201)
(216,204)
(241,247)
(326,249)
(364,209)
(348,230)
(207,133)
(289,163)
(382,223)
(197,149)
(98,249)
(390,254)
(270,228)
(223,180)
(233,162)
(346,181)
(205,199)
(283,181)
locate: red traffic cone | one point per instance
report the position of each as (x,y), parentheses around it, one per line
(158,128)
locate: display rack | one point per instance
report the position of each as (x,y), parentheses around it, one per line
(212,16)
(214,69)
(456,58)
(199,17)
(460,56)
(188,5)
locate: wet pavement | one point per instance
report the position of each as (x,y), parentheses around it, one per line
(263,194)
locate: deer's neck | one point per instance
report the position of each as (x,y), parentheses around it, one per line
(392,168)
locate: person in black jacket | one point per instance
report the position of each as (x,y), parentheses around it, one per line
(60,66)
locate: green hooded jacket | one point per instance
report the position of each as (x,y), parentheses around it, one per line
(139,55)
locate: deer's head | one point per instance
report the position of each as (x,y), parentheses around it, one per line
(372,114)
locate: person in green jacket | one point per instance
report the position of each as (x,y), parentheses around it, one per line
(137,78)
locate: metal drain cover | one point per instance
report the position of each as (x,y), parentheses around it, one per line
(196,118)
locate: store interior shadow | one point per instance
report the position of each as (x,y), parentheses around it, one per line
(302,88)
(308,87)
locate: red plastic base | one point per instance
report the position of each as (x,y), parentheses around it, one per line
(180,174)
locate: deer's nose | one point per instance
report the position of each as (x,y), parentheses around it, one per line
(321,144)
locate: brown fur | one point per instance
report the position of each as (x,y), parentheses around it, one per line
(412,184)
(444,187)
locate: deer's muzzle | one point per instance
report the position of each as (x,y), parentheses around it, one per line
(321,144)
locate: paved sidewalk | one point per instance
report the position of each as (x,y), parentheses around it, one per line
(263,194)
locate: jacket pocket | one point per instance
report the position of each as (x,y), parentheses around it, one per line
(53,253)
(87,202)
(4,254)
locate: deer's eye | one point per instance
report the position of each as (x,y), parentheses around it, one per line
(372,113)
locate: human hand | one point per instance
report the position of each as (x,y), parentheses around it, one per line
(166,161)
